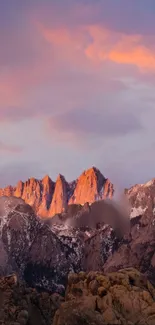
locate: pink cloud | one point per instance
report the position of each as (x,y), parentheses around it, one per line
(55,52)
(99,44)
(120,48)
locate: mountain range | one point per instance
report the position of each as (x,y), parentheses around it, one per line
(49,198)
(43,252)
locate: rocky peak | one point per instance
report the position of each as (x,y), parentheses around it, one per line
(46,180)
(59,200)
(89,187)
(141,198)
(8,191)
(46,196)
(19,189)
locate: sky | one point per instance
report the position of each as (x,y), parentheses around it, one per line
(77,89)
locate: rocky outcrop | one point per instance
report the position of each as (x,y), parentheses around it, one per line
(20,304)
(60,197)
(91,186)
(98,248)
(33,250)
(142,199)
(44,254)
(125,298)
(138,247)
(48,198)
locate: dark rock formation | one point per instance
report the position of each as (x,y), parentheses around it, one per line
(137,249)
(33,250)
(20,304)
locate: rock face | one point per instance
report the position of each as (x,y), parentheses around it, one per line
(33,250)
(137,249)
(125,298)
(22,305)
(142,199)
(103,249)
(42,255)
(98,247)
(48,198)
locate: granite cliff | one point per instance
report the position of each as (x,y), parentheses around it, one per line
(49,198)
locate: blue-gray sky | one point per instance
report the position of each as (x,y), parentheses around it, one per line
(77,82)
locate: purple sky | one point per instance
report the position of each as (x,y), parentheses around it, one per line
(77,82)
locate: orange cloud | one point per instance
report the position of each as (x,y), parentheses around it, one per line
(120,48)
(99,44)
(140,56)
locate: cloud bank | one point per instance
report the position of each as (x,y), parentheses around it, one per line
(81,75)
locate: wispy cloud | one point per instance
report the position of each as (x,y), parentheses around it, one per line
(7,148)
(81,126)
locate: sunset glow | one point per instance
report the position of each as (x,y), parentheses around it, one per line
(77,85)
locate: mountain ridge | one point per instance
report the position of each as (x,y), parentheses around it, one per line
(49,198)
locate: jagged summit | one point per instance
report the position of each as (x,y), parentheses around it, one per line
(49,198)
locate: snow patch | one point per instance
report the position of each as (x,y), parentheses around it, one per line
(149,183)
(88,233)
(102,191)
(137,212)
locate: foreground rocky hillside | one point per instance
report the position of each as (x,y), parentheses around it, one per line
(21,305)
(49,198)
(124,298)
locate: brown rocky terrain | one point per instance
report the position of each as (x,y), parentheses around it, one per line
(125,297)
(21,305)
(49,198)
